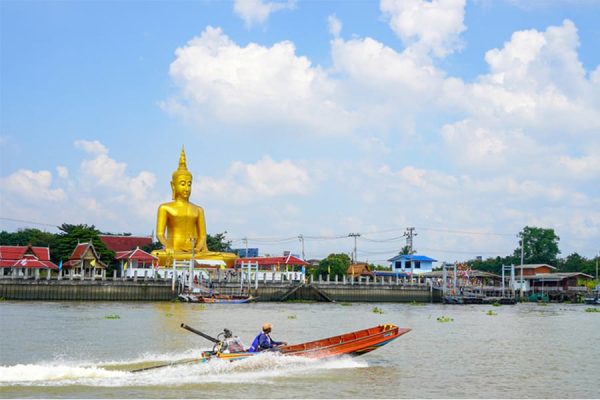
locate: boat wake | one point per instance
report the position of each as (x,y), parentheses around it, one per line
(266,368)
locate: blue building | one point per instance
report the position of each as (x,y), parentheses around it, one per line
(413,263)
(250,252)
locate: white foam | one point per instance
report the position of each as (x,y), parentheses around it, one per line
(265,367)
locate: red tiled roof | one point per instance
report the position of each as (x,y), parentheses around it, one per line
(78,253)
(137,254)
(33,263)
(22,256)
(79,250)
(125,243)
(16,252)
(291,260)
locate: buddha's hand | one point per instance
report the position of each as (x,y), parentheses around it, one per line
(202,245)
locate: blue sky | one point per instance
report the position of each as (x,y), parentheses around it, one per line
(467,120)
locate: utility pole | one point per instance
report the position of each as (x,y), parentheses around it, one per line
(301,237)
(522,257)
(598,256)
(354,235)
(410,234)
(245,240)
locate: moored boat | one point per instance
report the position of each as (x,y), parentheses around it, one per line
(353,344)
(215,298)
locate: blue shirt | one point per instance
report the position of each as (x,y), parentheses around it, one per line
(263,342)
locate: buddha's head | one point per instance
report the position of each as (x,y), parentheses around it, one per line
(181,182)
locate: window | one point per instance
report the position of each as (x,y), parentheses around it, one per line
(417,264)
(407,264)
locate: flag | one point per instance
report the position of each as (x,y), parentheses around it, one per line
(60,265)
(125,266)
(93,262)
(329,269)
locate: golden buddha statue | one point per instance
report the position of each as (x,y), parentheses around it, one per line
(180,225)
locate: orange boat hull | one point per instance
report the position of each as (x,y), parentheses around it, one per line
(352,344)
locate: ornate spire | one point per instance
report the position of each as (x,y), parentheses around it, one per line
(182,163)
(182,168)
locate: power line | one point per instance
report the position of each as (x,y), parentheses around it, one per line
(29,222)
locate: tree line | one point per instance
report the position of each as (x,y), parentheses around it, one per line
(540,247)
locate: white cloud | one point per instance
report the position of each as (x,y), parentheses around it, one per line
(228,84)
(257,11)
(62,171)
(91,146)
(335,25)
(266,178)
(103,173)
(585,167)
(427,26)
(31,185)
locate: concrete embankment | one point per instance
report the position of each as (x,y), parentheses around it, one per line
(161,290)
(86,290)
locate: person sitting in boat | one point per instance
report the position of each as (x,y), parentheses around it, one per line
(263,340)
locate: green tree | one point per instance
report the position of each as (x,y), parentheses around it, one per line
(576,263)
(24,237)
(334,264)
(218,242)
(406,250)
(541,246)
(492,264)
(72,235)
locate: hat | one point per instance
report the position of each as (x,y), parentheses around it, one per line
(266,326)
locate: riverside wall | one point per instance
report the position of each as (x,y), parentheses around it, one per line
(86,290)
(161,290)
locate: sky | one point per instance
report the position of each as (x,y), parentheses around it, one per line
(467,120)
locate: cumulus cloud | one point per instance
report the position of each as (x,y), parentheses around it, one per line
(257,11)
(531,111)
(103,172)
(28,185)
(221,81)
(427,26)
(335,25)
(266,178)
(91,146)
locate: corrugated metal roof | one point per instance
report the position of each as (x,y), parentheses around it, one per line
(533,266)
(411,257)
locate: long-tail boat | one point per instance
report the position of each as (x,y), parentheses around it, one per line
(228,347)
(352,344)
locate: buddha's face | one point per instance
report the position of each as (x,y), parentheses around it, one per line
(182,187)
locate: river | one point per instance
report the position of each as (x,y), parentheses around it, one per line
(85,349)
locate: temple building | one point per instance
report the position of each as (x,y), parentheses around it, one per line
(84,262)
(137,262)
(25,261)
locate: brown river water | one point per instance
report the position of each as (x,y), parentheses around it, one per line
(85,350)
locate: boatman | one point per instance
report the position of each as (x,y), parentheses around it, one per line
(263,340)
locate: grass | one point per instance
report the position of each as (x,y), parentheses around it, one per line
(490,312)
(443,318)
(169,315)
(291,317)
(112,316)
(496,304)
(345,304)
(414,303)
(377,310)
(592,309)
